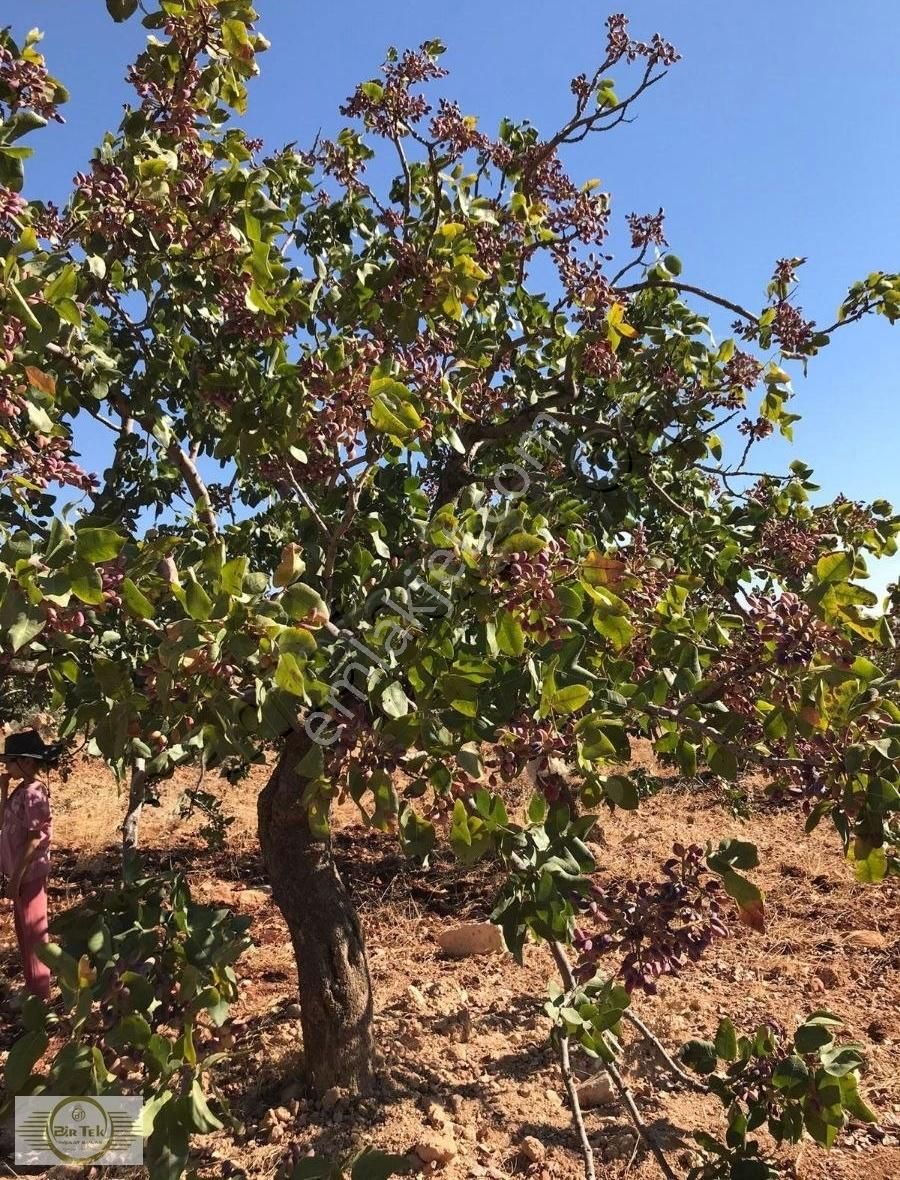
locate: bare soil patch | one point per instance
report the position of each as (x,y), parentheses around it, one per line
(463,1043)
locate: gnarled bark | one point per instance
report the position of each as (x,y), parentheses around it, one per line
(332,968)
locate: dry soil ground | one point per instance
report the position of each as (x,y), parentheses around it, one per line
(464,1042)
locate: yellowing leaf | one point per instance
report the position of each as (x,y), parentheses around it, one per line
(602,571)
(43,382)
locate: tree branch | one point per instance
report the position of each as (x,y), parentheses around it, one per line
(688,289)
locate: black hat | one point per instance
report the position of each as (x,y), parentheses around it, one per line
(29,744)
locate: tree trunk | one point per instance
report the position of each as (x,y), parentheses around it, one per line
(332,968)
(131,823)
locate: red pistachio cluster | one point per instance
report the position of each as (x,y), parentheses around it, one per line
(620,45)
(647,229)
(658,927)
(26,85)
(525,584)
(392,105)
(12,206)
(527,741)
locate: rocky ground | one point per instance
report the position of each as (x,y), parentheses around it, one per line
(468,1085)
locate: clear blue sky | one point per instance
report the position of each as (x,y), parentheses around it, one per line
(778,134)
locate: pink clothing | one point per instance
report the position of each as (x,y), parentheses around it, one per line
(27,810)
(30,909)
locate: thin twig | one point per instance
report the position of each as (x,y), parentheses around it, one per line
(568,977)
(565,1065)
(641,1127)
(660,1048)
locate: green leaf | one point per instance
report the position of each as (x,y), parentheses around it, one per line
(235,37)
(63,286)
(726,1040)
(152,1108)
(378,1165)
(166,1151)
(510,636)
(87,585)
(24,627)
(233,574)
(23,1057)
(749,899)
(812,1036)
(197,602)
(23,307)
(394,700)
(139,605)
(570,699)
(621,791)
(791,1074)
(257,300)
(396,418)
(202,1118)
(132,1029)
(305,605)
(871,863)
(291,565)
(700,1056)
(613,627)
(469,758)
(289,675)
(723,761)
(121,10)
(417,835)
(835,567)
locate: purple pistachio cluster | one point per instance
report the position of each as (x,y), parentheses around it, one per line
(526,585)
(657,927)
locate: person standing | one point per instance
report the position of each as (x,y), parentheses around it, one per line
(25,833)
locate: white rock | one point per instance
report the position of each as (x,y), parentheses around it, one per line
(596,1091)
(471,938)
(251,899)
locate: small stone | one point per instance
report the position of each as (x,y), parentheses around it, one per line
(553,1098)
(281,1114)
(251,899)
(597,1091)
(437,1116)
(828,976)
(532,1149)
(866,940)
(331,1098)
(471,938)
(293,1011)
(436,1148)
(418,998)
(276,1133)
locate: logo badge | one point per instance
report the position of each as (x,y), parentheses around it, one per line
(52,1129)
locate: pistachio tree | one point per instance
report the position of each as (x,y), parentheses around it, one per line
(409,487)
